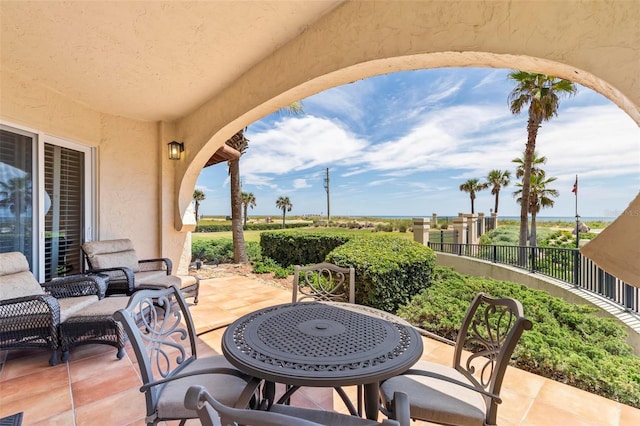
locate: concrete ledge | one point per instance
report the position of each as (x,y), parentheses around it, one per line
(568,292)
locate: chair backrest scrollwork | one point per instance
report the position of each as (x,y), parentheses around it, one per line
(162,334)
(324,282)
(490,331)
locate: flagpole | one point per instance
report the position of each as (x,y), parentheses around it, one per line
(575,190)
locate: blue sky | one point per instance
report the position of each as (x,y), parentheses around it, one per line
(401,144)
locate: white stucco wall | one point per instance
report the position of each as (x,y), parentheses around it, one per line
(129,162)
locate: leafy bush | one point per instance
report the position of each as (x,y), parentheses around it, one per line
(389,270)
(299,248)
(267,265)
(221,250)
(568,343)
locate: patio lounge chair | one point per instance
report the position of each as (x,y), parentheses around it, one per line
(468,393)
(214,413)
(118,259)
(163,337)
(32,314)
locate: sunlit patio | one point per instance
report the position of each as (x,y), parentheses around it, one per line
(95,388)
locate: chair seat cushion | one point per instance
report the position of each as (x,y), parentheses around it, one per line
(223,387)
(103,307)
(436,400)
(71,305)
(322,417)
(156,279)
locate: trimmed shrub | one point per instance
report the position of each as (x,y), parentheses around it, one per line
(389,270)
(568,343)
(221,250)
(299,248)
(266,265)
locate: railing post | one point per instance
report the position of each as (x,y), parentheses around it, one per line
(533,259)
(421,230)
(495,253)
(576,267)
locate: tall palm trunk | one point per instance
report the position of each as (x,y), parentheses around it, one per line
(239,252)
(532,132)
(533,240)
(495,207)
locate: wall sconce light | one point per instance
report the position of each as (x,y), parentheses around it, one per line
(175,149)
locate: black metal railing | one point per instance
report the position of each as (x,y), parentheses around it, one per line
(565,264)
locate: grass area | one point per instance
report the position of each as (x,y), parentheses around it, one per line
(255,235)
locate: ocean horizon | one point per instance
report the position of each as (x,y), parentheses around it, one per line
(538,218)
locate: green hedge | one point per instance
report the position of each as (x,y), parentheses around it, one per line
(299,248)
(221,250)
(225,227)
(389,270)
(568,343)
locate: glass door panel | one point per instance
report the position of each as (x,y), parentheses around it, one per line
(64,184)
(16,193)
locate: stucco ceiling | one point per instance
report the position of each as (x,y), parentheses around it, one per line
(147,60)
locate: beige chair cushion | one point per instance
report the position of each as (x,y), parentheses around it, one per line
(112,254)
(223,387)
(19,284)
(104,307)
(437,400)
(70,305)
(13,262)
(151,279)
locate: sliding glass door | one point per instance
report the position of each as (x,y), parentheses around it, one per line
(17,222)
(53,178)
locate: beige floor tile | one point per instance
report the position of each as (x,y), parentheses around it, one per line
(580,403)
(119,409)
(52,399)
(63,419)
(100,377)
(23,386)
(543,414)
(629,416)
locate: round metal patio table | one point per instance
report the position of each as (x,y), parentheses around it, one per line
(322,345)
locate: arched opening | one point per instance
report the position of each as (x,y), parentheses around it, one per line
(390,65)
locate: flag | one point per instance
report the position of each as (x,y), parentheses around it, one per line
(575,186)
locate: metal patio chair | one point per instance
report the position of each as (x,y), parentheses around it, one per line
(163,337)
(468,392)
(213,413)
(324,282)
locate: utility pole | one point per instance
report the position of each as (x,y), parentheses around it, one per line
(326,187)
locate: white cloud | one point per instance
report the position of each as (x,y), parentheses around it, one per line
(300,183)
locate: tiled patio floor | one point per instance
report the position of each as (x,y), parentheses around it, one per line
(94,388)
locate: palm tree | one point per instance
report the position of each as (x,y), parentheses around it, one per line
(240,144)
(248,200)
(539,198)
(472,186)
(536,162)
(285,205)
(198,196)
(542,94)
(498,179)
